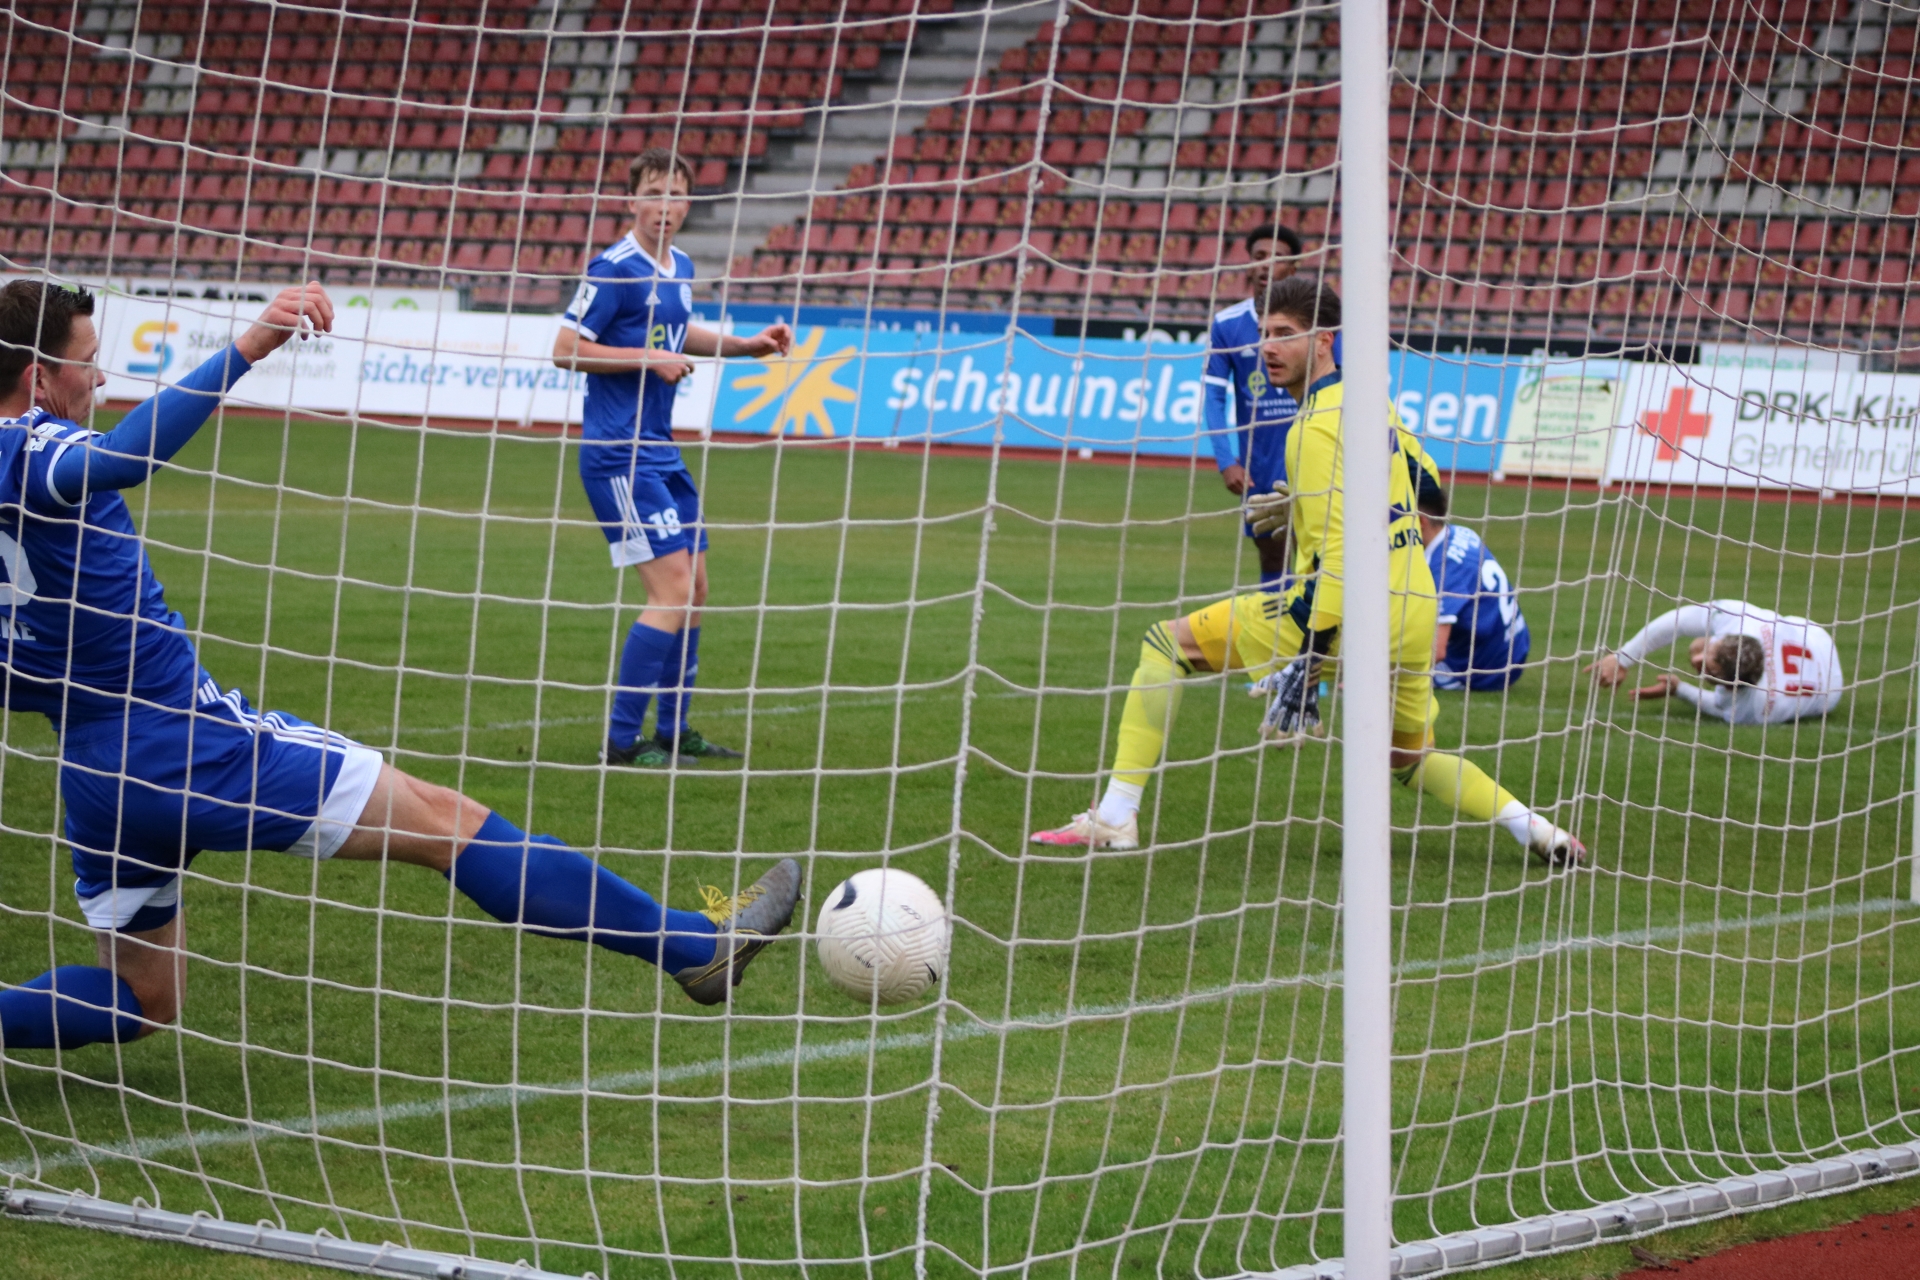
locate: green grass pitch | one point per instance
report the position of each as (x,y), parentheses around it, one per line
(1732,986)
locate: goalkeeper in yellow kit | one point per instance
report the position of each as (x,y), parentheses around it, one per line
(1288,635)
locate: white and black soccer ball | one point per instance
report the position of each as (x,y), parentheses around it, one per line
(882,935)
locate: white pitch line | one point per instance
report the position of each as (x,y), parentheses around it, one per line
(643,1081)
(385,731)
(778,709)
(789,709)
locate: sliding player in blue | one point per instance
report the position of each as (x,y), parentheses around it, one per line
(158,763)
(630,329)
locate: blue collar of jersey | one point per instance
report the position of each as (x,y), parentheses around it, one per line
(1325,382)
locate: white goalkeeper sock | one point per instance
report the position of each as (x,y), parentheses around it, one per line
(1121,802)
(1519,820)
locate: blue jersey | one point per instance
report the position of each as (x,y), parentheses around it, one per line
(629,300)
(1489,637)
(84,623)
(1236,378)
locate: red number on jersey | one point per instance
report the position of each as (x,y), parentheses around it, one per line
(1791,658)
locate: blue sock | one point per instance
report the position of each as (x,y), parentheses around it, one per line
(676,689)
(92,1007)
(562,887)
(642,663)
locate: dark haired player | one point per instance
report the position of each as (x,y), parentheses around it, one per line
(630,330)
(159,764)
(1291,634)
(1246,414)
(1761,667)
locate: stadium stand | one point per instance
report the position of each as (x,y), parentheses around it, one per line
(1562,170)
(236,139)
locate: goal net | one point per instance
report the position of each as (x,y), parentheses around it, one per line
(1651,320)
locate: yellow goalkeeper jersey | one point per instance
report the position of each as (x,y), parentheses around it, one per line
(1316,470)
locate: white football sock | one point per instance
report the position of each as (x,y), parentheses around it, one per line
(1519,820)
(1120,803)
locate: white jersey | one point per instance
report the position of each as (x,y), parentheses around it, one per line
(1803,676)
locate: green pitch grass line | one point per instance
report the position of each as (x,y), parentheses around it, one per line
(642,1081)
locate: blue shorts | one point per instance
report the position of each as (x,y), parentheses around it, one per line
(1484,678)
(646,514)
(146,793)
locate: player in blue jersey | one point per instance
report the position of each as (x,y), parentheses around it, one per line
(158,763)
(1481,640)
(630,330)
(1247,415)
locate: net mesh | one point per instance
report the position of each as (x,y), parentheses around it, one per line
(1652,319)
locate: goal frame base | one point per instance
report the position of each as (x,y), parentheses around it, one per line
(315,1248)
(1632,1217)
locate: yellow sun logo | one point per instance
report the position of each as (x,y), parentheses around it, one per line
(803,387)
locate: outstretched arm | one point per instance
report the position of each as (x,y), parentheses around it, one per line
(1735,706)
(776,338)
(161,426)
(1743,705)
(1689,620)
(1713,702)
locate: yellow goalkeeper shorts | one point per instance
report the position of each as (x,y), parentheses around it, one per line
(1261,630)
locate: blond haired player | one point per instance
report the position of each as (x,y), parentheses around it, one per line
(1291,634)
(1761,667)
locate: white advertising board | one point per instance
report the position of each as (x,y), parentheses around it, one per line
(1561,423)
(476,365)
(185,288)
(1825,430)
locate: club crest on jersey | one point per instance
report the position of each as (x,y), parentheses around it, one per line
(686,296)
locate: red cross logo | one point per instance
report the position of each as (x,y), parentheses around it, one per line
(1673,425)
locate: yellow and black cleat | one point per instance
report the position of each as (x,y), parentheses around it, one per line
(748,921)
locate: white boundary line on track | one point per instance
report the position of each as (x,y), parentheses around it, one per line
(642,1081)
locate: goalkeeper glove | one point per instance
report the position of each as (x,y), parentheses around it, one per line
(1266,512)
(1294,710)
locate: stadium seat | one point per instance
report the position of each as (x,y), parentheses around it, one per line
(464,110)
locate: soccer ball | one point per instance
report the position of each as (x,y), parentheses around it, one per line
(882,935)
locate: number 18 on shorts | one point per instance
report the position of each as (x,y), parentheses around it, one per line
(646,515)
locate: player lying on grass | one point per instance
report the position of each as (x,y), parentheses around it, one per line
(1293,634)
(1247,416)
(1480,640)
(1762,667)
(630,330)
(159,764)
